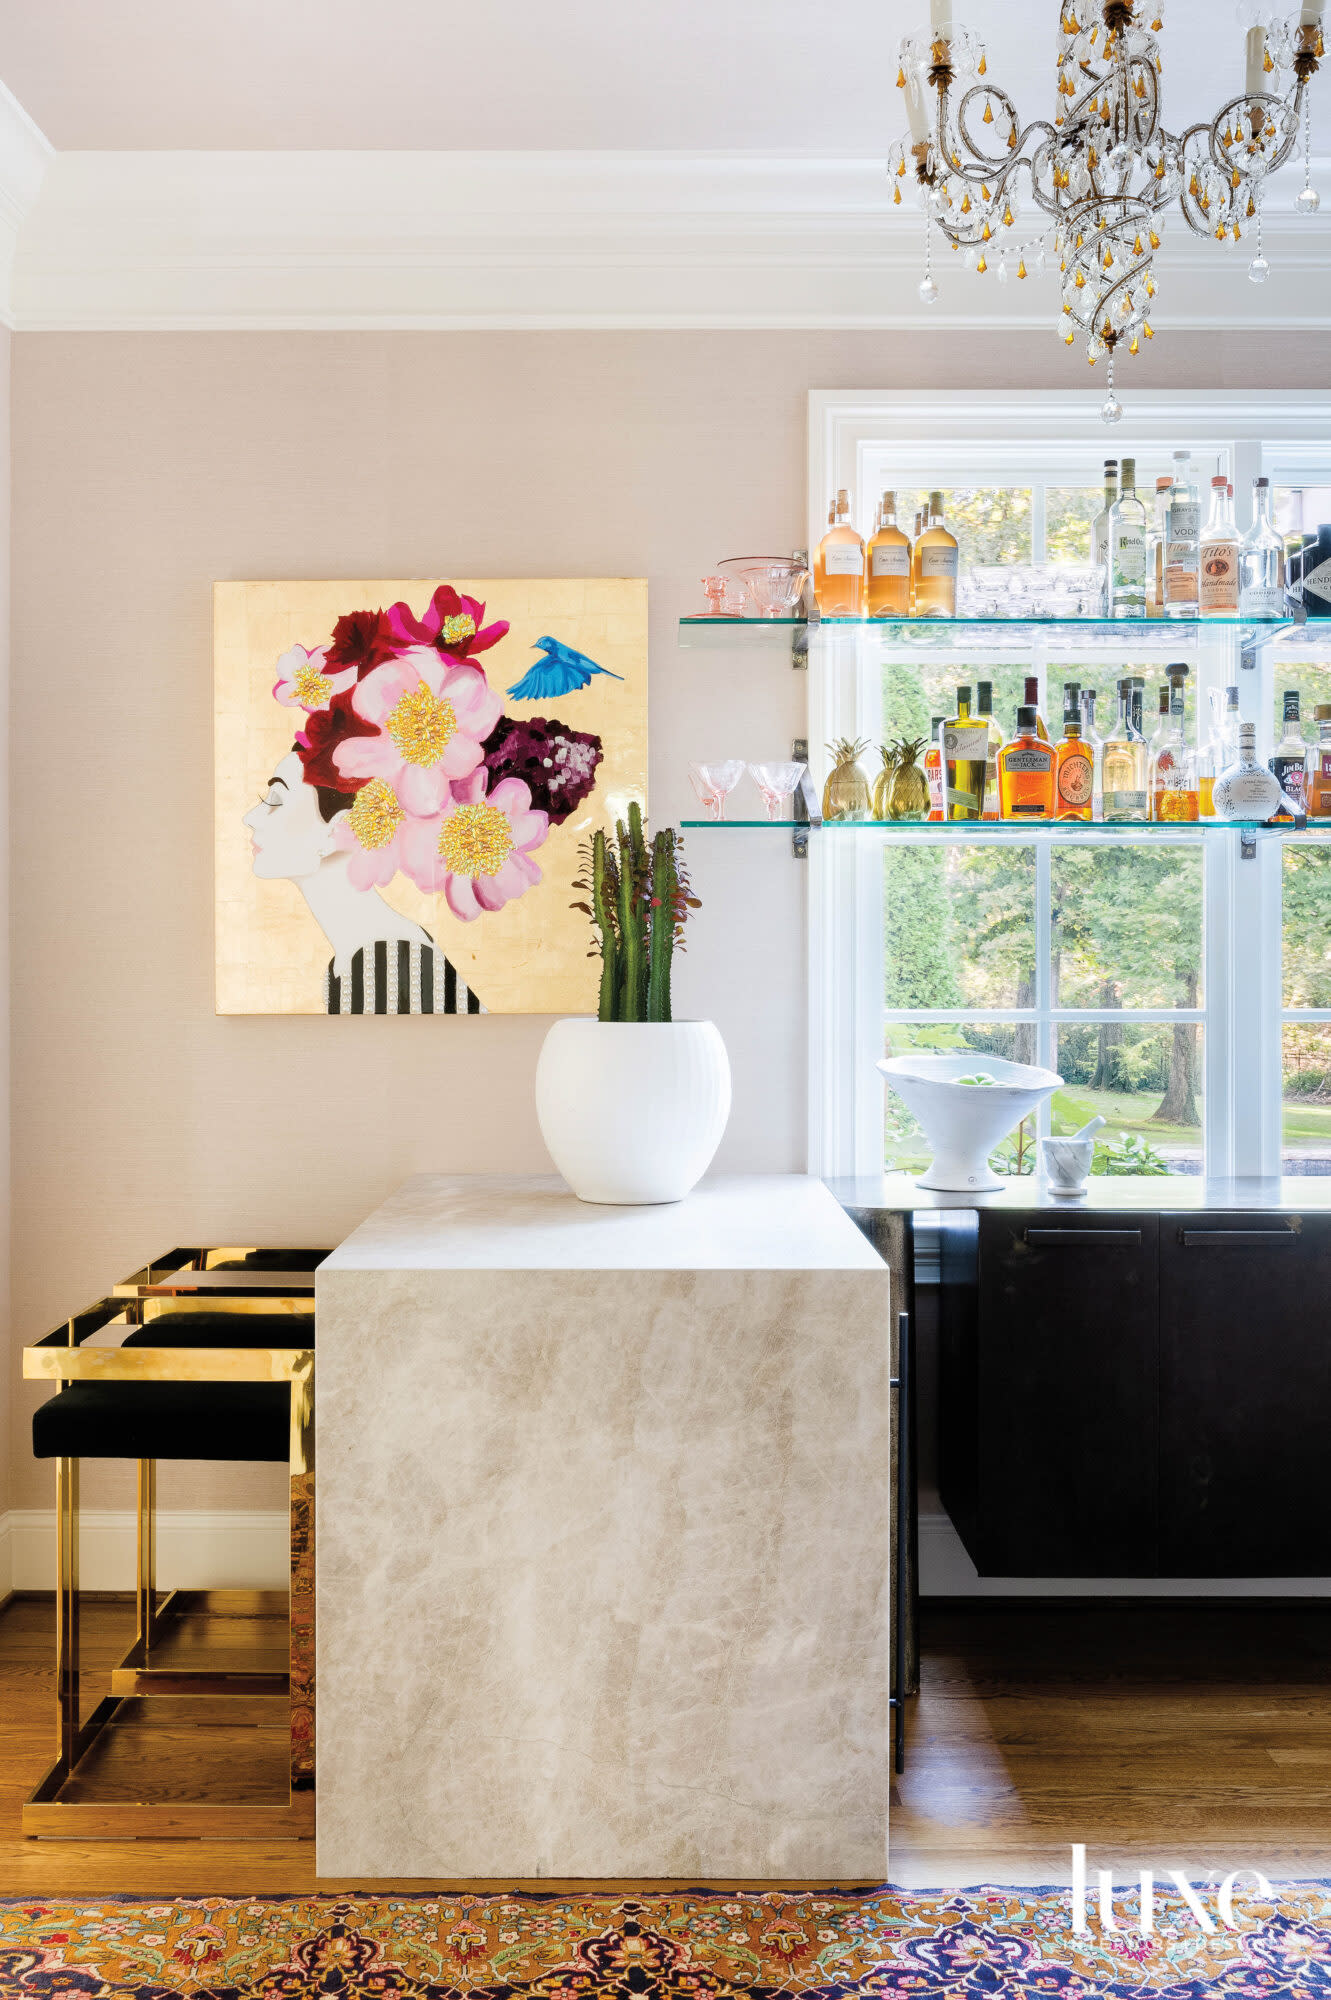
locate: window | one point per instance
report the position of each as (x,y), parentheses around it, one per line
(1181,991)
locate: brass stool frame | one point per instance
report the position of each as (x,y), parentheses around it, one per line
(183,1280)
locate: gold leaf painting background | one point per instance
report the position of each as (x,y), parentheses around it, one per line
(531,956)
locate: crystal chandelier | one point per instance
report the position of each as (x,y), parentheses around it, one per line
(1104,173)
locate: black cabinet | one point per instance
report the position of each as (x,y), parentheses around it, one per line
(1245,1395)
(1135,1394)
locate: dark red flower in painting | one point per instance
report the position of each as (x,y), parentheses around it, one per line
(362,639)
(557,764)
(454,624)
(325,731)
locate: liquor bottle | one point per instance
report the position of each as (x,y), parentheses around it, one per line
(1289,760)
(1074,773)
(984,706)
(966,756)
(1161,729)
(1261,560)
(887,582)
(1138,686)
(1100,525)
(1218,559)
(1174,767)
(1183,528)
(1095,744)
(1319,765)
(1026,771)
(841,553)
(1247,790)
(1155,548)
(933,768)
(1127,549)
(1125,761)
(1221,747)
(817,577)
(1032,700)
(936,566)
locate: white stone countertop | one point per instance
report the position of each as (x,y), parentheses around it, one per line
(484,1222)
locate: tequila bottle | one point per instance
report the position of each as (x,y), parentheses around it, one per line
(841,559)
(1174,787)
(887,582)
(1247,790)
(1183,527)
(1289,760)
(1125,760)
(936,566)
(1218,562)
(1026,770)
(1261,560)
(984,704)
(1074,775)
(1127,549)
(966,757)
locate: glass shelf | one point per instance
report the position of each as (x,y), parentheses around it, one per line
(1015,829)
(995,634)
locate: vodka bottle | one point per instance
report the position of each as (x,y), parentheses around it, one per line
(1100,526)
(1183,527)
(1261,560)
(1218,566)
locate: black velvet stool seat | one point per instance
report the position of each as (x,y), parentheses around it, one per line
(184,1382)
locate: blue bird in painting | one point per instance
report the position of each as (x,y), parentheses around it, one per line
(561,671)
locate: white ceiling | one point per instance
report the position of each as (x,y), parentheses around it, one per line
(770,76)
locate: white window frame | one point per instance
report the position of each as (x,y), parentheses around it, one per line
(855,440)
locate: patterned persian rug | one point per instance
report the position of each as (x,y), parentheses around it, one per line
(982,1944)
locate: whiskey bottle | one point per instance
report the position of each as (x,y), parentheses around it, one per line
(1100,525)
(1127,549)
(936,566)
(1074,773)
(984,705)
(887,582)
(1174,790)
(841,558)
(1183,527)
(1289,760)
(1026,771)
(1218,563)
(966,756)
(1319,765)
(1125,761)
(933,768)
(1261,560)
(1247,790)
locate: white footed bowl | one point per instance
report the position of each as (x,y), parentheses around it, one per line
(632,1111)
(963,1122)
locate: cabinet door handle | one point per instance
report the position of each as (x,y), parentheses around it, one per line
(1234,1239)
(1079,1238)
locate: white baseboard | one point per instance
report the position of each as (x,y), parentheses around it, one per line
(195,1550)
(947,1571)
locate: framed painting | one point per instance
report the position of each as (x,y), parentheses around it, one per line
(405,773)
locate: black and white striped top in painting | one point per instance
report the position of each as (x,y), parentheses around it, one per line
(396,977)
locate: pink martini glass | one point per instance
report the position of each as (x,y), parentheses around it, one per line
(778,784)
(714,783)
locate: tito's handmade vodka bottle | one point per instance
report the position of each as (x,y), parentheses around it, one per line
(1218,567)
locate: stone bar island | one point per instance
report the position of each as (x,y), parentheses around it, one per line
(603,1537)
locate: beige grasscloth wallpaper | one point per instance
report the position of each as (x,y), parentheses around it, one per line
(147,466)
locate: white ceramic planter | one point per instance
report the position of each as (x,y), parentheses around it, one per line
(632,1111)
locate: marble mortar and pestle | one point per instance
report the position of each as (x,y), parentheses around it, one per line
(1066,1163)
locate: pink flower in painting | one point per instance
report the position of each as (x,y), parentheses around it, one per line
(451,623)
(301,680)
(433,715)
(479,851)
(373,833)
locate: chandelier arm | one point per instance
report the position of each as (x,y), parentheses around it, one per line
(1241,104)
(988,92)
(1196,217)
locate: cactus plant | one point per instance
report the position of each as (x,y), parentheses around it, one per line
(638,901)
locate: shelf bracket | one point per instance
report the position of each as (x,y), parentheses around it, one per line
(1247,847)
(799,638)
(804,805)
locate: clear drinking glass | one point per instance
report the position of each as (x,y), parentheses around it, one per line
(778,784)
(715,782)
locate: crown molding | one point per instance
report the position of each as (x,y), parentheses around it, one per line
(25,156)
(370,240)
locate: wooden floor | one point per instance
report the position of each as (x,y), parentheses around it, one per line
(1176,1737)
